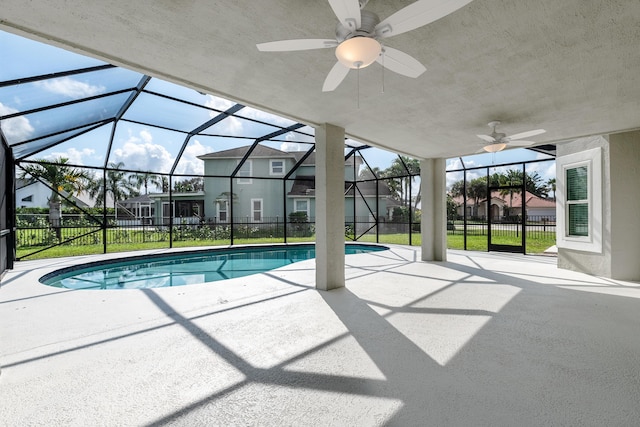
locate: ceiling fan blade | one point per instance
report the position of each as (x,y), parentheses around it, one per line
(298,44)
(401,63)
(335,77)
(527,134)
(520,143)
(348,13)
(416,15)
(487,138)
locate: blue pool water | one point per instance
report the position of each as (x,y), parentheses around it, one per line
(186,268)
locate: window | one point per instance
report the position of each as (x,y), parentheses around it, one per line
(256,210)
(276,167)
(28,198)
(301,205)
(579,194)
(577,211)
(222,206)
(245,172)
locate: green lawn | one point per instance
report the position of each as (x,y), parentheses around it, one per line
(124,242)
(536,243)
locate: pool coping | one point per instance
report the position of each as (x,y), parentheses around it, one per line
(172,252)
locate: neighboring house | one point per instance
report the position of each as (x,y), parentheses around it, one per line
(254,195)
(503,205)
(188,207)
(140,209)
(31,193)
(256,198)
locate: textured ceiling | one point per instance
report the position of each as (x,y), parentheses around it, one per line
(571,67)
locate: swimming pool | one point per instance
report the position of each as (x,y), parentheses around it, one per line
(185,268)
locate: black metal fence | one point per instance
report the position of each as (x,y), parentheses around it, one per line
(535,225)
(37,232)
(80,233)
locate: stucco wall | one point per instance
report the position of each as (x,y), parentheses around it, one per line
(625,202)
(620,254)
(598,264)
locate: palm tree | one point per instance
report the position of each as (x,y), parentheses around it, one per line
(400,178)
(511,178)
(551,186)
(534,184)
(144,179)
(189,185)
(476,190)
(369,173)
(117,185)
(164,182)
(62,178)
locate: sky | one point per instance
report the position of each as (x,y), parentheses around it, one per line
(141,147)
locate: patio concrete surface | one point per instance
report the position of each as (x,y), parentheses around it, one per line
(484,339)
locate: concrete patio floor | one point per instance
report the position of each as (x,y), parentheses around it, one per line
(485,339)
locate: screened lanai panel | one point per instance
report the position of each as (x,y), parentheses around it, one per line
(225,155)
(270,160)
(22,58)
(190,163)
(145,148)
(241,127)
(305,134)
(352,143)
(283,143)
(86,149)
(188,95)
(375,162)
(60,119)
(160,111)
(301,139)
(29,148)
(43,93)
(263,116)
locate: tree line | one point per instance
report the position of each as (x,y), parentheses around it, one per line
(114,183)
(117,184)
(511,181)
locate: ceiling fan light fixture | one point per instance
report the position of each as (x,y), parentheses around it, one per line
(358,52)
(494,148)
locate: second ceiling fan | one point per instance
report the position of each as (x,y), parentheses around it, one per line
(498,141)
(359,33)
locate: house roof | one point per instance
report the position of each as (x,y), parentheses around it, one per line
(189,195)
(21,183)
(262,151)
(143,198)
(531,200)
(240,152)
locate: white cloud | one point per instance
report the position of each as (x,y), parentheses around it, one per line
(189,162)
(76,157)
(263,116)
(230,125)
(17,128)
(140,153)
(71,88)
(546,170)
(294,146)
(146,136)
(218,103)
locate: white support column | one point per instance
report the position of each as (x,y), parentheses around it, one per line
(434,209)
(329,207)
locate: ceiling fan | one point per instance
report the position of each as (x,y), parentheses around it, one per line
(498,141)
(358,35)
